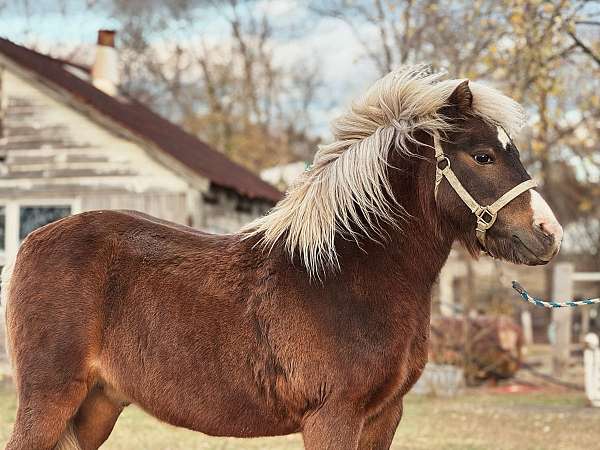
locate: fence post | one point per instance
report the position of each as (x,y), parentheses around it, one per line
(527,326)
(585,324)
(591,365)
(446,292)
(562,290)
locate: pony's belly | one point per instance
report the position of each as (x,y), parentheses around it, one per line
(238,419)
(224,409)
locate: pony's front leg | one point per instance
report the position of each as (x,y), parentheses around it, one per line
(332,428)
(378,431)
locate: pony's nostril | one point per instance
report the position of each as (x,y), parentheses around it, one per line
(544,219)
(550,230)
(545,234)
(542,226)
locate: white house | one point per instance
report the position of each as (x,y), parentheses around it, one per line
(71,142)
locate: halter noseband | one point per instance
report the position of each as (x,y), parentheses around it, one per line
(486,215)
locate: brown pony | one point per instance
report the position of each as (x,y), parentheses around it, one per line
(313,319)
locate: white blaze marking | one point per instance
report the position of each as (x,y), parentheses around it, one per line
(503,137)
(543,216)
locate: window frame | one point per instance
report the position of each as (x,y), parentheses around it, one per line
(12,211)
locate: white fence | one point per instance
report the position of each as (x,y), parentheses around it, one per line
(442,380)
(591,362)
(563,289)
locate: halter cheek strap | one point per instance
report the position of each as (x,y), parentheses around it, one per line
(486,215)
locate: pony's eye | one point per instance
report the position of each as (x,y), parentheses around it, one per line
(483,158)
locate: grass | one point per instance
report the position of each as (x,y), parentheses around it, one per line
(477,420)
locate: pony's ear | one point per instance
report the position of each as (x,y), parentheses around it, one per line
(461,98)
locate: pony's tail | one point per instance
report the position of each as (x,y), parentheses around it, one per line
(7,271)
(68,441)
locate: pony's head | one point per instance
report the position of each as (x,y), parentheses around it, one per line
(485,162)
(457,135)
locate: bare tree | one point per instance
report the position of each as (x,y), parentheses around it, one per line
(230,91)
(453,34)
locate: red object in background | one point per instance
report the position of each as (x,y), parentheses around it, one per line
(515,388)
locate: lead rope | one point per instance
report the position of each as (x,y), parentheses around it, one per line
(551,304)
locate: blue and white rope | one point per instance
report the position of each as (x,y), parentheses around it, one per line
(539,302)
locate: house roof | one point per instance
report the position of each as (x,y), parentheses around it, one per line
(143,122)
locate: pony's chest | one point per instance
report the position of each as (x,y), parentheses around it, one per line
(398,367)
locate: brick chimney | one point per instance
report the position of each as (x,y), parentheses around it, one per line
(105,71)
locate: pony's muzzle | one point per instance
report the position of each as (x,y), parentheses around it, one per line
(536,248)
(546,228)
(540,244)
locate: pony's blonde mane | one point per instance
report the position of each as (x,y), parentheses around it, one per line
(347,191)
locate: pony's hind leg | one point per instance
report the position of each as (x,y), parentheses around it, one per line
(96,418)
(44,418)
(72,420)
(53,336)
(53,378)
(51,365)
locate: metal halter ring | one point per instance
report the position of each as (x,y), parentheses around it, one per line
(485,217)
(443,159)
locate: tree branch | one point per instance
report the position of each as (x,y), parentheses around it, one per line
(587,50)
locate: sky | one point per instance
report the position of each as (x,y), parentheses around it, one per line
(58,26)
(45,20)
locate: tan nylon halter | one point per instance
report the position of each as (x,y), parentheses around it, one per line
(486,215)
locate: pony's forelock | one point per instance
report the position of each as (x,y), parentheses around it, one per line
(347,190)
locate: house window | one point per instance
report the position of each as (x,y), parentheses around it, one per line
(32,217)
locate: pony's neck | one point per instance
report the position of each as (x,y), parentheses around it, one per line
(414,253)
